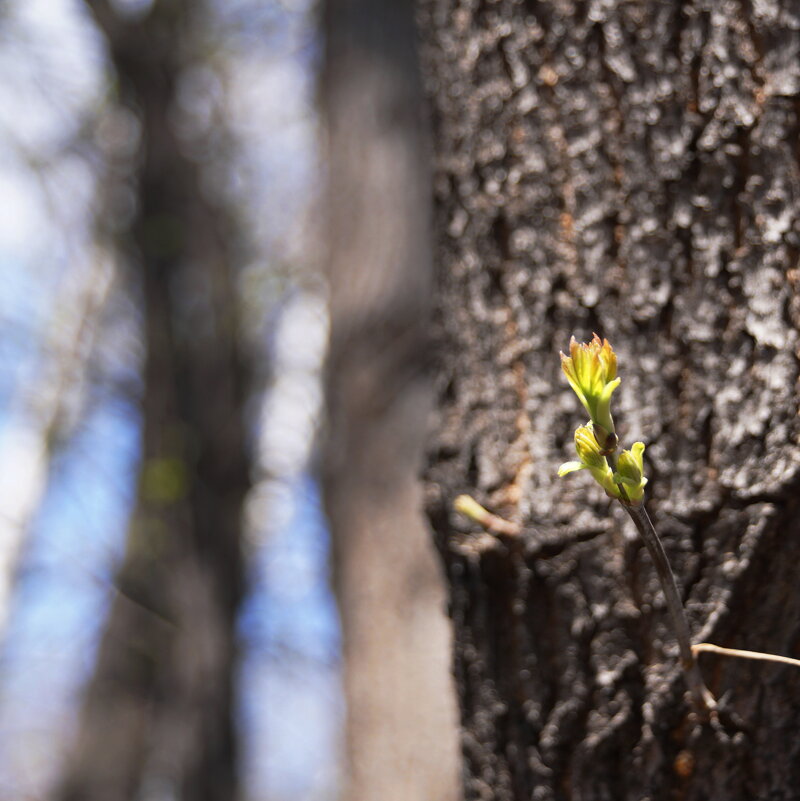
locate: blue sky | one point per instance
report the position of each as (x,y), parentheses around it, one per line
(290,707)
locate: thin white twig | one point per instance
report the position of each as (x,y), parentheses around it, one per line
(757,655)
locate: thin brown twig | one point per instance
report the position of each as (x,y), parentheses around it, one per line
(701,695)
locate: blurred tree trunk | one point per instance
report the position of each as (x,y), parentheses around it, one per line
(401,733)
(628,168)
(157,721)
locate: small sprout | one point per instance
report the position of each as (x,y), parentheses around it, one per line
(592,459)
(630,471)
(588,449)
(469,507)
(591,369)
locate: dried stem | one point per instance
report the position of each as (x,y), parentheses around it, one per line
(757,655)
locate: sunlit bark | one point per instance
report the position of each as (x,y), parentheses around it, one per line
(630,169)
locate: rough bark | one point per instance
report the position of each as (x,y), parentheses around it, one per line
(401,732)
(157,720)
(631,169)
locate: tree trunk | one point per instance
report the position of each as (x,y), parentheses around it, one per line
(158,717)
(630,169)
(401,732)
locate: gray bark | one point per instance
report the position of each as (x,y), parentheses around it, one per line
(630,169)
(401,732)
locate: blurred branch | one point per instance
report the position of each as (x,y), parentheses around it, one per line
(469,507)
(105,16)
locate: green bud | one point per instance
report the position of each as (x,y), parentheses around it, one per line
(591,369)
(592,459)
(630,472)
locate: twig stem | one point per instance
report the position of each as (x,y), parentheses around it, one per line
(701,696)
(758,655)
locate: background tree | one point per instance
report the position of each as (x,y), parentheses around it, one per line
(630,169)
(401,735)
(158,711)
